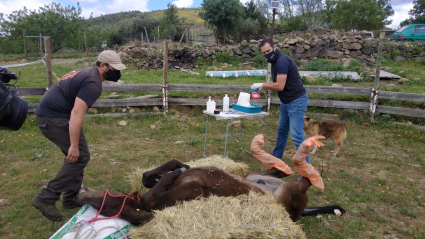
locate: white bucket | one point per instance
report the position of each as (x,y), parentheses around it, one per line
(243,99)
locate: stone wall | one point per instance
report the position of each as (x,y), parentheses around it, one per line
(304,46)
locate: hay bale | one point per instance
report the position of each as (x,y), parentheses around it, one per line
(245,216)
(226,164)
(135,179)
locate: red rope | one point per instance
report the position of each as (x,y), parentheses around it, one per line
(103,202)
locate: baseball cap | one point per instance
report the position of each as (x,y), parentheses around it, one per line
(112,58)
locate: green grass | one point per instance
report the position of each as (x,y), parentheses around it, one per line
(377,177)
(34,57)
(368,178)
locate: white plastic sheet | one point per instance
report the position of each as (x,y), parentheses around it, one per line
(77,226)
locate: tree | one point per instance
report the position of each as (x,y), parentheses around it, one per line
(170,21)
(64,25)
(310,11)
(226,15)
(254,13)
(300,15)
(417,13)
(131,30)
(362,14)
(249,26)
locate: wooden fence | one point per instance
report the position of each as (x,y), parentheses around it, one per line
(238,88)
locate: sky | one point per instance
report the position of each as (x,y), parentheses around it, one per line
(98,7)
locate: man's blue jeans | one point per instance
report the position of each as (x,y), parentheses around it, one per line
(291,119)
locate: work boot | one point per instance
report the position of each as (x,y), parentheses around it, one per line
(72,204)
(49,211)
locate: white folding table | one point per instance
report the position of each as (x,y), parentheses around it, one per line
(230,117)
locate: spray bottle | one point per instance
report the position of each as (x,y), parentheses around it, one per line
(226,103)
(255,94)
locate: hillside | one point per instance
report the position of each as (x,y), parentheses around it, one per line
(187,15)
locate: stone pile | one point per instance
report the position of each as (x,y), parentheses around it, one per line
(303,46)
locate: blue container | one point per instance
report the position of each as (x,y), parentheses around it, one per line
(252,109)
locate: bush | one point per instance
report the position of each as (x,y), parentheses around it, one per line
(417,50)
(323,65)
(294,24)
(286,52)
(223,57)
(336,77)
(355,65)
(250,26)
(259,61)
(391,55)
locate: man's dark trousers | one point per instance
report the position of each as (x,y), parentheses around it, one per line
(70,176)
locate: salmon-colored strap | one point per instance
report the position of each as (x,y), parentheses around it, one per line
(268,160)
(305,169)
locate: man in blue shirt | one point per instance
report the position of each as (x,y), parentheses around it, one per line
(292,94)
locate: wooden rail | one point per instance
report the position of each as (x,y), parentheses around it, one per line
(239,88)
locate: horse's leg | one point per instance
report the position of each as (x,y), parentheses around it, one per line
(272,172)
(149,198)
(294,197)
(91,196)
(182,192)
(150,178)
(131,211)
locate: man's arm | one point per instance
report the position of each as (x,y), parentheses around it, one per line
(75,124)
(278,85)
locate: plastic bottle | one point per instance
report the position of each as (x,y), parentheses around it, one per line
(213,106)
(226,103)
(255,94)
(210,107)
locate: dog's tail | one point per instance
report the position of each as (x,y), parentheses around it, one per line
(313,211)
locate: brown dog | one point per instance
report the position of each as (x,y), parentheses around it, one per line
(332,128)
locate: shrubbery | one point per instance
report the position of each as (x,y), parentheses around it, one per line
(323,65)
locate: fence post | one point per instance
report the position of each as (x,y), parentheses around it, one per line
(269,92)
(187,35)
(165,80)
(85,41)
(374,91)
(158,34)
(181,38)
(25,44)
(41,45)
(48,60)
(147,37)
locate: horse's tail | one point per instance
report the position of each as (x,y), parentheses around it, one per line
(312,211)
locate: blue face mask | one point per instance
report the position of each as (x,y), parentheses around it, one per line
(113,75)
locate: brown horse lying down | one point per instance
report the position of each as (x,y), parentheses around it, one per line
(174,181)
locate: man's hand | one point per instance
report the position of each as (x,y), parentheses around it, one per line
(73,154)
(256,86)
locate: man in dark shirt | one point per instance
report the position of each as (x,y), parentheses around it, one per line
(287,82)
(60,115)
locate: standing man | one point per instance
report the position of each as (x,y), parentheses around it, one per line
(60,115)
(287,82)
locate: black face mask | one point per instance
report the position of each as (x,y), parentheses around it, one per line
(113,75)
(270,56)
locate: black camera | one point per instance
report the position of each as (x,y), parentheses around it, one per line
(13,110)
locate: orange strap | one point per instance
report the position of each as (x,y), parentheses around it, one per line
(305,169)
(268,160)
